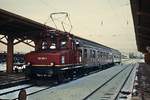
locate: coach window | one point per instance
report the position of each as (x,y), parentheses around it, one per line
(107,55)
(85,52)
(91,53)
(101,54)
(94,54)
(98,54)
(80,51)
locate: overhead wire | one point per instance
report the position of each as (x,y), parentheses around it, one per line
(65,19)
(58,19)
(47,5)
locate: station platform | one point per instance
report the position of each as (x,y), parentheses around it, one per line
(7,80)
(143,86)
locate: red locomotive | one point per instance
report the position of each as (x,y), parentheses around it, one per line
(61,54)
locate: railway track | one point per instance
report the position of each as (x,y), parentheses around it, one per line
(31,88)
(12,93)
(110,89)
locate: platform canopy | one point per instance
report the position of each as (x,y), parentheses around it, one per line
(14,27)
(18,26)
(141,17)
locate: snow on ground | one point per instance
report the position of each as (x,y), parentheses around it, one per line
(77,89)
(129,84)
(111,89)
(2,66)
(13,95)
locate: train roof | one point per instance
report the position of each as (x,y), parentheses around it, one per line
(86,41)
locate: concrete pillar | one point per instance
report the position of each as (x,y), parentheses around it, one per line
(9,57)
(147,58)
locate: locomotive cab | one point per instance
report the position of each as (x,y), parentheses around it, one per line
(54,53)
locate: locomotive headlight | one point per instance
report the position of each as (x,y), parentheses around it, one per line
(62,59)
(28,63)
(52,64)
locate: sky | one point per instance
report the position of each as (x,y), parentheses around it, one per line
(108,22)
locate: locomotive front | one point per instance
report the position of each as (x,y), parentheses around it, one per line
(53,54)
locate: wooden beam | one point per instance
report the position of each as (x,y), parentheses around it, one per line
(10,49)
(3,42)
(18,41)
(29,44)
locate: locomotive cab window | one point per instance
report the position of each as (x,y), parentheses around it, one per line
(53,46)
(48,44)
(44,45)
(53,40)
(63,44)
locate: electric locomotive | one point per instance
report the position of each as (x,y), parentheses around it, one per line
(60,54)
(54,54)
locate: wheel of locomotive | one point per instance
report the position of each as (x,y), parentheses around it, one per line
(70,74)
(60,77)
(80,72)
(67,75)
(29,74)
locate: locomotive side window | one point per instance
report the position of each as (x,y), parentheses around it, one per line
(63,42)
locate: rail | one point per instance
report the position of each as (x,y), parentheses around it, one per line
(109,80)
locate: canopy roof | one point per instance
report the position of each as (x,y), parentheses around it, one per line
(141,17)
(18,26)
